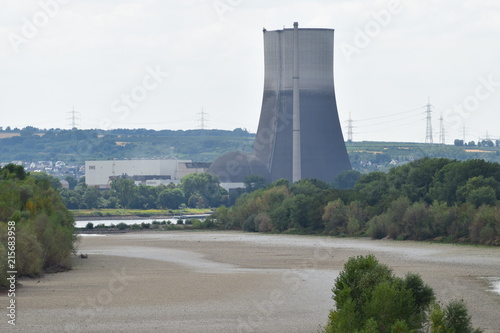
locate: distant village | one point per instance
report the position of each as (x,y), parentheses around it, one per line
(57,169)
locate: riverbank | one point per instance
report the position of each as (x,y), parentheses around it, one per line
(134,214)
(235,282)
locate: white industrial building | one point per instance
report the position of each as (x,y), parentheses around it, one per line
(143,172)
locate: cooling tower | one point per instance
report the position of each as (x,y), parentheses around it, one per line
(299,134)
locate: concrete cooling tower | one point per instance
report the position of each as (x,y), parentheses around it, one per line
(299,134)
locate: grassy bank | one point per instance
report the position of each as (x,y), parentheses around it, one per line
(136,212)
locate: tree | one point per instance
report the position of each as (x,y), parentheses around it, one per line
(48,179)
(335,217)
(44,227)
(11,171)
(454,318)
(479,190)
(202,184)
(254,182)
(346,180)
(29,131)
(91,197)
(170,198)
(125,190)
(369,298)
(72,182)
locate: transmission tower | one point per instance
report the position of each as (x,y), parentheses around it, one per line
(441,131)
(349,128)
(203,120)
(73,118)
(428,132)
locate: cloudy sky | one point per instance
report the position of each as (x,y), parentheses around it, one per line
(158,63)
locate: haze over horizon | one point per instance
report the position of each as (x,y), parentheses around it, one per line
(156,64)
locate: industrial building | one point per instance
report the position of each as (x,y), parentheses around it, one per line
(143,172)
(299,134)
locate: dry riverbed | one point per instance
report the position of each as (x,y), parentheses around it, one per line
(234,282)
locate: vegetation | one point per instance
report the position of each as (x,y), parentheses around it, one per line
(180,224)
(77,146)
(382,156)
(137,212)
(369,298)
(201,190)
(428,199)
(43,225)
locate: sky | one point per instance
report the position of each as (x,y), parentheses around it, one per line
(159,64)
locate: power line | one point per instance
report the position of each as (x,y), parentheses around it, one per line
(202,120)
(73,118)
(441,131)
(390,115)
(428,130)
(349,128)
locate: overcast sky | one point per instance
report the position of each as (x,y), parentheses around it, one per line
(157,63)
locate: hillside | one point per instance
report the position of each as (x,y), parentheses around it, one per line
(73,147)
(77,146)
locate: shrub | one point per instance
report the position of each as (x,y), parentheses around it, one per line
(454,318)
(369,298)
(122,226)
(89,225)
(263,222)
(209,223)
(196,224)
(249,224)
(376,227)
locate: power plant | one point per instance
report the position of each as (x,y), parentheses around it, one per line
(299,134)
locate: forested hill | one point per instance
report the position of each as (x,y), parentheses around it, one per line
(75,146)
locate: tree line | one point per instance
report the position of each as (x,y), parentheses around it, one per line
(78,145)
(436,198)
(201,190)
(43,227)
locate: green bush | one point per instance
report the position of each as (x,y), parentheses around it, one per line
(89,225)
(197,224)
(44,227)
(249,224)
(454,318)
(122,226)
(369,298)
